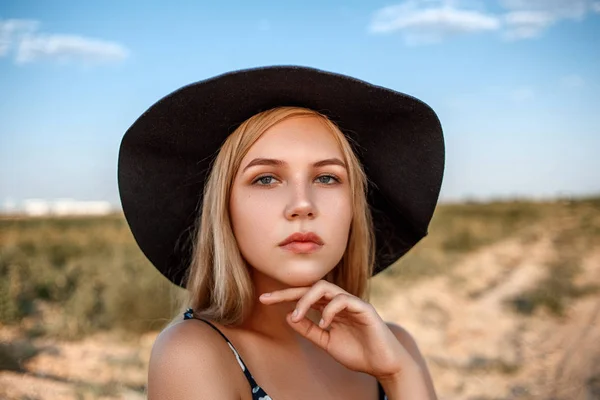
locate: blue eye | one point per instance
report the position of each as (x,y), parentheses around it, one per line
(265,180)
(328,179)
(268,180)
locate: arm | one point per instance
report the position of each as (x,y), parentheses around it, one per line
(407,341)
(187,363)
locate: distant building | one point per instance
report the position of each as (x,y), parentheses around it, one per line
(58,207)
(74,207)
(36,207)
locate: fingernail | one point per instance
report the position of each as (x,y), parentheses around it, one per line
(265,295)
(321,322)
(294,314)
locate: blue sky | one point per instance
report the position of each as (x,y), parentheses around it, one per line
(516,83)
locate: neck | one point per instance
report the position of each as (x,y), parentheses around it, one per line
(270,320)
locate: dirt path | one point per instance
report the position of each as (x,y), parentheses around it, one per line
(476,344)
(98,367)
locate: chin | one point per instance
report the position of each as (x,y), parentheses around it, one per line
(300,281)
(302,274)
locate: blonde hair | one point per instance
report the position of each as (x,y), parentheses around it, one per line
(218,284)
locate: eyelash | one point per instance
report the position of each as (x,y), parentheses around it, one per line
(335,178)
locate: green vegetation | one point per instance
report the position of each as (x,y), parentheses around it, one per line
(14,355)
(458,229)
(554,292)
(68,277)
(559,286)
(86,274)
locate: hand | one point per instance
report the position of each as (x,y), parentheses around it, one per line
(350,331)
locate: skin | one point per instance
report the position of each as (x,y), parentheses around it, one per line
(340,358)
(270,202)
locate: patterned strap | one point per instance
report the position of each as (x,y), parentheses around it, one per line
(189,314)
(382,395)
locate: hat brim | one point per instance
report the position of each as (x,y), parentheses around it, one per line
(165,156)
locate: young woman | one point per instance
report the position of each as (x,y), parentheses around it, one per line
(319,182)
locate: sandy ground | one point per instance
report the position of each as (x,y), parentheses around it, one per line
(477,347)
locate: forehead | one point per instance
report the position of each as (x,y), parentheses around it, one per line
(304,137)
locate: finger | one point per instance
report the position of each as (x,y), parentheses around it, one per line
(319,305)
(309,330)
(339,303)
(318,291)
(294,294)
(279,296)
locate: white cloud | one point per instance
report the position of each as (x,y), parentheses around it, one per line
(68,47)
(12,30)
(527,24)
(573,81)
(574,9)
(530,18)
(30,45)
(430,21)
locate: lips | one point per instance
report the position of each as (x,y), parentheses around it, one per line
(302,237)
(302,243)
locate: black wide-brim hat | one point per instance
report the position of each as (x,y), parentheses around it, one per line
(166,155)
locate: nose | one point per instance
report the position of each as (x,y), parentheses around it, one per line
(301,204)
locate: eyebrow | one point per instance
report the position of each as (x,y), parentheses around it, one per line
(280,163)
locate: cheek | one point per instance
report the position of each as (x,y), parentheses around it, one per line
(339,218)
(252,222)
(259,223)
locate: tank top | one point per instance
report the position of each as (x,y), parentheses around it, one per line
(258,393)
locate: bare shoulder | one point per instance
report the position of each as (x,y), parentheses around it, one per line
(188,362)
(406,339)
(410,344)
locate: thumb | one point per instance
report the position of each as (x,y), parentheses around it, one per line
(309,330)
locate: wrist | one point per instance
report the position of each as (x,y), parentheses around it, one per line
(407,384)
(407,369)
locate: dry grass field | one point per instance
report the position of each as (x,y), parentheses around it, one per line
(503,299)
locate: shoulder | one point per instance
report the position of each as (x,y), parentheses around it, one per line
(406,339)
(410,344)
(188,361)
